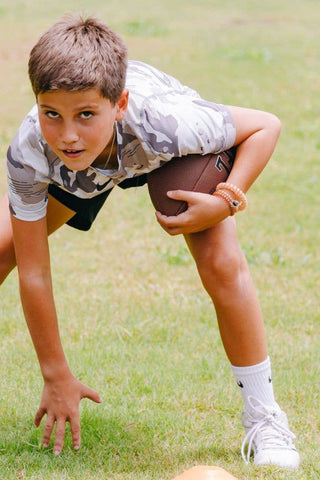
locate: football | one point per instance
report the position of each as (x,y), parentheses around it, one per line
(196,173)
(203,472)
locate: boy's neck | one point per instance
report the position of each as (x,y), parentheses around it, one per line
(108,159)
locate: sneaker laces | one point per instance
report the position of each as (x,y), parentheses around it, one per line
(274,433)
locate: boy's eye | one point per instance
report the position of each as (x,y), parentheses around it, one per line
(86,115)
(52,114)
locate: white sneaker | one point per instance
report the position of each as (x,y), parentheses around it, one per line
(268,435)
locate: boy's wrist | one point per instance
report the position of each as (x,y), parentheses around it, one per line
(55,371)
(223,205)
(232,195)
(229,200)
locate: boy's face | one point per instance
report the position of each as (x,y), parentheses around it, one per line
(78,125)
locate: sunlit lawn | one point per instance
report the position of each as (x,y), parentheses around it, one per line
(135,322)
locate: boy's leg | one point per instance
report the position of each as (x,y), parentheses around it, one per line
(57,215)
(7,256)
(226,277)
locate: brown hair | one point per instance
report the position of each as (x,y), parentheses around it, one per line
(77,54)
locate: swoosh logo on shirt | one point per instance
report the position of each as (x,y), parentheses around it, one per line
(101,187)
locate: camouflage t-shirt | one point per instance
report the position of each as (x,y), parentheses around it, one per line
(164,119)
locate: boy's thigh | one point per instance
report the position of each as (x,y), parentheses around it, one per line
(5,221)
(6,240)
(76,212)
(57,214)
(218,241)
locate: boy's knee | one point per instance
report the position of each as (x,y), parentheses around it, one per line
(221,265)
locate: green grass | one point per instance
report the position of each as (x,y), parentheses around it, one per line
(135,322)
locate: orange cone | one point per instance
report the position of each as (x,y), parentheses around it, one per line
(204,472)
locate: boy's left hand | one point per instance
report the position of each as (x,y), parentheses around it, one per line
(204,211)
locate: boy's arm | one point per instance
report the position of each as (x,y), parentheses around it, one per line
(257,133)
(62,392)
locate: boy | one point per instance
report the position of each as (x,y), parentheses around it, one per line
(100,122)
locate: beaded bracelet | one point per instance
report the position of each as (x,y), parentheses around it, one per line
(232,203)
(241,198)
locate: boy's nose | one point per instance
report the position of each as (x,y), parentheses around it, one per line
(69,134)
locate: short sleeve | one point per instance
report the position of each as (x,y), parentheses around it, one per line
(27,173)
(177,124)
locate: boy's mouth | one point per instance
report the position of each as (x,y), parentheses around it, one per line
(72,153)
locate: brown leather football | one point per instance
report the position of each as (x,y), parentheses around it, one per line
(196,173)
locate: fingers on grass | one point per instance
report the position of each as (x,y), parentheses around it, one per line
(75,433)
(47,431)
(91,395)
(39,416)
(59,437)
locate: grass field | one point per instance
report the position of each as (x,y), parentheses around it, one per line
(135,322)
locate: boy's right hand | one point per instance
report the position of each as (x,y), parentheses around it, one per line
(204,211)
(60,402)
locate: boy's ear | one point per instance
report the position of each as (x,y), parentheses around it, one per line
(122,104)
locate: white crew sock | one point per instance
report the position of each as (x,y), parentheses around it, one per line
(255,381)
